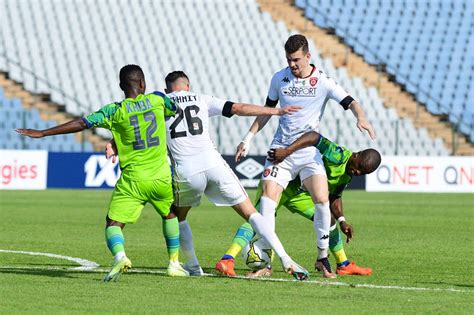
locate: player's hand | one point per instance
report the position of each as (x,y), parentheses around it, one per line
(111,151)
(32,133)
(277,155)
(363,124)
(242,150)
(347,229)
(288,110)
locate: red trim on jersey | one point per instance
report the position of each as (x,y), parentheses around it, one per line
(312,71)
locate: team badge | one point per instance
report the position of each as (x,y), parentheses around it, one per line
(266,172)
(313,81)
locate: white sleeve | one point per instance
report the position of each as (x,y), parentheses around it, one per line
(274,86)
(335,91)
(214,105)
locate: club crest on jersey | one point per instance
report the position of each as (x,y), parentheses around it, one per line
(266,172)
(313,81)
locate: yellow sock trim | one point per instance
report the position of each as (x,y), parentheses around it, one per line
(234,250)
(340,256)
(174,257)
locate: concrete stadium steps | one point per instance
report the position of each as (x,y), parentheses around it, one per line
(48,110)
(331,46)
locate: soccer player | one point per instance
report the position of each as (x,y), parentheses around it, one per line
(340,164)
(301,83)
(199,169)
(137,125)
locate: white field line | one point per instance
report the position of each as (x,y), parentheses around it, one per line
(92,267)
(84,263)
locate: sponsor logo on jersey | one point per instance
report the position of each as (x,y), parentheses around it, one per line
(266,172)
(249,168)
(303,91)
(285,79)
(313,81)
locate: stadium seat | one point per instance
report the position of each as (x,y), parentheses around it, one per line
(77,50)
(412,39)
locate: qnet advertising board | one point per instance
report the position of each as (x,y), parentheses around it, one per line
(23,169)
(423,174)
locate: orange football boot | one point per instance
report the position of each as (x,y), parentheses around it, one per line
(226,267)
(353,269)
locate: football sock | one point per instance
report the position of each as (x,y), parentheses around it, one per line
(171,234)
(336,246)
(115,241)
(187,245)
(322,223)
(267,209)
(242,237)
(260,226)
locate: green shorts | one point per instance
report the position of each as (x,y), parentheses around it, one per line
(293,198)
(129,198)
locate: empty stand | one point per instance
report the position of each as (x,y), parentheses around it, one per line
(426,45)
(228,48)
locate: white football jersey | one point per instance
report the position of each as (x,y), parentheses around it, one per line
(189,143)
(311,93)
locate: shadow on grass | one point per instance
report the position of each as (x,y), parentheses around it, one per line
(40,272)
(459,285)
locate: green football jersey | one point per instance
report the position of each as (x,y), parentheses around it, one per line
(139,131)
(335,159)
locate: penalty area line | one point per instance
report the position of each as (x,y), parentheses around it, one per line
(313,282)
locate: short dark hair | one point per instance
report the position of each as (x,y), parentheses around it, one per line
(371,160)
(173,76)
(130,74)
(296,42)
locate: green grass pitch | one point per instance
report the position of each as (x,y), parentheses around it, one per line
(410,240)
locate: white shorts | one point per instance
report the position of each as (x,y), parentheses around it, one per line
(305,163)
(219,183)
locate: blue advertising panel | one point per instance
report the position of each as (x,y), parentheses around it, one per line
(81,170)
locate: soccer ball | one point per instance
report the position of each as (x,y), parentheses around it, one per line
(257,254)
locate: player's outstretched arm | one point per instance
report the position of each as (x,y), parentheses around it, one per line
(72,126)
(335,204)
(362,122)
(242,109)
(277,155)
(244,146)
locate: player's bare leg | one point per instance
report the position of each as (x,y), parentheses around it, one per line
(261,227)
(186,242)
(317,186)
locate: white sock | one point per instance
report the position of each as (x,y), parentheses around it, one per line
(186,244)
(260,226)
(322,223)
(267,210)
(119,256)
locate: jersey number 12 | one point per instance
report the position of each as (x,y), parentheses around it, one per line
(139,143)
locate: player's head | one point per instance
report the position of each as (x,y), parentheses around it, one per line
(363,162)
(297,54)
(177,81)
(132,78)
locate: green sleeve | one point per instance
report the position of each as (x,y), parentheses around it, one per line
(334,153)
(103,117)
(169,105)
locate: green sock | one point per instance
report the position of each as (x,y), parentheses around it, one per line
(171,233)
(336,246)
(243,236)
(115,240)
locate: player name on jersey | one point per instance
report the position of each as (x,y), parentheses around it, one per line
(139,106)
(184,98)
